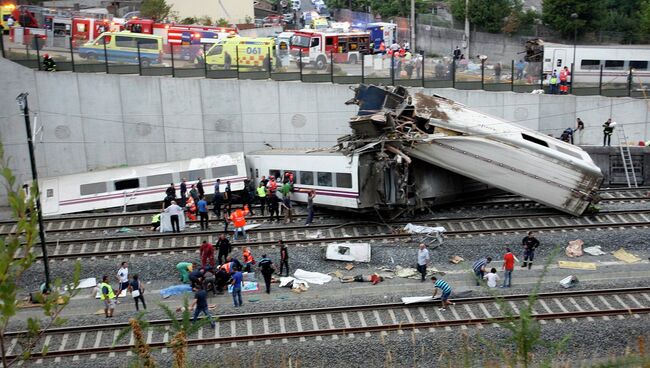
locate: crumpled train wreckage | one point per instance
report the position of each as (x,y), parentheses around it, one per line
(419,149)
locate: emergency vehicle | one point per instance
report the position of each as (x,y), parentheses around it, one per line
(178,34)
(5,12)
(125,47)
(245,53)
(86,29)
(312,47)
(381,32)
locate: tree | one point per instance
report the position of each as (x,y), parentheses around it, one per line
(155,9)
(205,20)
(557,14)
(222,22)
(645,17)
(11,269)
(487,15)
(188,20)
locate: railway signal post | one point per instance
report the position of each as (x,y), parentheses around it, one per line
(24,107)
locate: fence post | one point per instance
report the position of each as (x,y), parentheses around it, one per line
(139,60)
(541,76)
(71,54)
(26,47)
(483,74)
(38,54)
(571,76)
(629,83)
(105,56)
(453,74)
(205,62)
(171,52)
(363,67)
(2,44)
(237,58)
(300,62)
(600,81)
(422,68)
(392,68)
(512,75)
(332,66)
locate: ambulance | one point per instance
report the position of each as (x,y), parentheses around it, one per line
(245,52)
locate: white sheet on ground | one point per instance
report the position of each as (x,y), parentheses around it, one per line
(284,281)
(85,283)
(349,252)
(594,251)
(312,277)
(416,299)
(419,229)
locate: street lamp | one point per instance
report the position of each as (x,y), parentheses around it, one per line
(24,108)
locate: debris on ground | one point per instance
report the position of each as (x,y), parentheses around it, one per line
(247,286)
(412,273)
(316,235)
(312,277)
(349,266)
(569,282)
(84,284)
(416,299)
(456,259)
(594,251)
(577,265)
(337,274)
(574,249)
(350,252)
(433,233)
(124,230)
(626,257)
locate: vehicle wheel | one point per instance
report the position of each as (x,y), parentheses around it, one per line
(321,62)
(146,63)
(214,67)
(352,59)
(91,57)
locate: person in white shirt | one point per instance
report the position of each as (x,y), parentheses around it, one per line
(423,260)
(174,211)
(122,278)
(492,278)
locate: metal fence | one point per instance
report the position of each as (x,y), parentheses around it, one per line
(345,68)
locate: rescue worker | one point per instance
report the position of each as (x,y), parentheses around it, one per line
(564,80)
(184,269)
(183,192)
(266,268)
(107,296)
(199,60)
(174,212)
(191,209)
(272,185)
(155,222)
(261,195)
(48,63)
(248,259)
(310,207)
(227,61)
(284,257)
(228,198)
(217,199)
(199,188)
(207,254)
(223,245)
(567,135)
(202,207)
(608,130)
(274,206)
(194,194)
(552,83)
(171,191)
(530,243)
(382,48)
(238,219)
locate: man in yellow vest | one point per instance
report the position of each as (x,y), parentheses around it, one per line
(261,194)
(107,296)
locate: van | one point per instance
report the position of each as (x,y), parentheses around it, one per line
(123,47)
(245,52)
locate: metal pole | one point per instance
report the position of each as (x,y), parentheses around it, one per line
(269,63)
(171,52)
(38,55)
(22,102)
(571,76)
(332,66)
(412,25)
(600,81)
(139,60)
(205,62)
(512,75)
(629,83)
(453,74)
(2,44)
(483,74)
(422,68)
(105,56)
(392,68)
(363,67)
(237,57)
(541,76)
(300,62)
(71,54)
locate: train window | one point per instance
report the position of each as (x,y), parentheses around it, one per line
(161,179)
(275,173)
(223,171)
(49,193)
(344,180)
(92,188)
(614,64)
(529,138)
(193,174)
(589,64)
(306,178)
(638,65)
(324,179)
(127,184)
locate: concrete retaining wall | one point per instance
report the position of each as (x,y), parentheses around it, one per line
(97,121)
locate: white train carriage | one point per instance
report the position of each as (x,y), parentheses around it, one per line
(615,60)
(137,184)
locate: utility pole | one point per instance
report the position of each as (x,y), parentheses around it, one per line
(24,107)
(413,26)
(467,53)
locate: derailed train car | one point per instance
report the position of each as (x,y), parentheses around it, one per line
(449,135)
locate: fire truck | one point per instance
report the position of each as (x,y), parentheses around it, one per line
(314,47)
(178,34)
(87,29)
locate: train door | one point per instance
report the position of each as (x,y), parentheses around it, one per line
(50,196)
(559,59)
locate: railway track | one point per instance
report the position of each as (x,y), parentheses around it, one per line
(326,233)
(142,219)
(92,341)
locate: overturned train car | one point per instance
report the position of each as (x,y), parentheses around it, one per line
(445,134)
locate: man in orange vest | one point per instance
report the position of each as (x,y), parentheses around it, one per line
(564,81)
(238,219)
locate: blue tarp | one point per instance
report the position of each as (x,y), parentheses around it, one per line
(175,290)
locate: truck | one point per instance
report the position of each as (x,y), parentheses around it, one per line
(316,47)
(381,32)
(245,53)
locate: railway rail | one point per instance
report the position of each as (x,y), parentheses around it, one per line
(346,321)
(142,219)
(325,233)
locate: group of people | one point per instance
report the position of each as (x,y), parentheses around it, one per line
(569,133)
(130,283)
(480,268)
(559,82)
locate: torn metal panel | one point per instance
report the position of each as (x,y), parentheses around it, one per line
(348,252)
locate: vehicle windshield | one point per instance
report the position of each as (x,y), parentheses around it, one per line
(215,50)
(301,41)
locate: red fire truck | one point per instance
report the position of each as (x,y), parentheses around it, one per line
(87,29)
(314,47)
(177,34)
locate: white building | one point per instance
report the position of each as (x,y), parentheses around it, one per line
(235,11)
